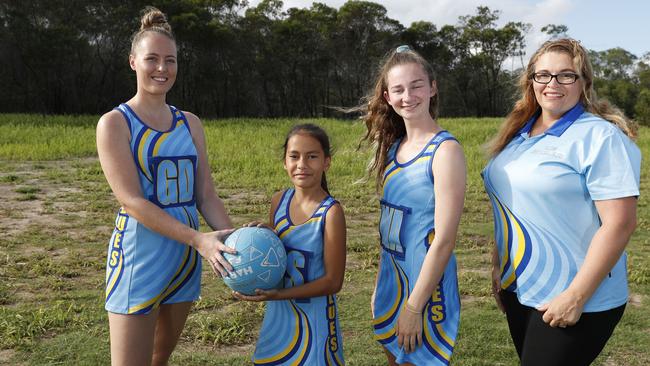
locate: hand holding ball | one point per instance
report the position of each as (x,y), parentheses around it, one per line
(260,261)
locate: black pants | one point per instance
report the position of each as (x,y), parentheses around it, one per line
(538,344)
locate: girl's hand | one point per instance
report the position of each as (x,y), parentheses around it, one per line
(259,224)
(260,295)
(496,287)
(210,246)
(563,310)
(409,329)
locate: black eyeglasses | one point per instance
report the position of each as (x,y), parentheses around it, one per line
(562,78)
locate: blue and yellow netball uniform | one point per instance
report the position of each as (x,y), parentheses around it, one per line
(543,190)
(406,231)
(301,331)
(145,269)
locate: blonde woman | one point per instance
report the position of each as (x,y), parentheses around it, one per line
(563,181)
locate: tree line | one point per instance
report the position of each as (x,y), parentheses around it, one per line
(236,60)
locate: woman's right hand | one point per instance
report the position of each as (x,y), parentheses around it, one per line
(211,247)
(496,287)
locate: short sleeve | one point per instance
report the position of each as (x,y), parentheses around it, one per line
(613,167)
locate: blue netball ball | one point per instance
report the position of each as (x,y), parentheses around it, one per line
(260,261)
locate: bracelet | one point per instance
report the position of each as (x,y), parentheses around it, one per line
(410,309)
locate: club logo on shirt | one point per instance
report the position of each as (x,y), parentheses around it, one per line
(548,151)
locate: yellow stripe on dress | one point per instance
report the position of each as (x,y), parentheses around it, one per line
(159,143)
(506,254)
(180,280)
(434,345)
(116,275)
(422,159)
(389,166)
(431,236)
(280,224)
(155,298)
(143,143)
(385,335)
(290,229)
(391,174)
(398,298)
(338,359)
(444,335)
(292,343)
(305,341)
(521,249)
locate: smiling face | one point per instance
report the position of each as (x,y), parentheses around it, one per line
(305,161)
(154,61)
(554,98)
(409,91)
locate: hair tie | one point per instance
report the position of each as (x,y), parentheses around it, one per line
(402,48)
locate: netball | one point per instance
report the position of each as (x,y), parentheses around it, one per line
(260,261)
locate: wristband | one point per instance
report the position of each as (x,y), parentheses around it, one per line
(410,309)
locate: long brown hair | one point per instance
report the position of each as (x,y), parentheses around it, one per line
(383,125)
(527,104)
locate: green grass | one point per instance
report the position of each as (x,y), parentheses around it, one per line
(58,213)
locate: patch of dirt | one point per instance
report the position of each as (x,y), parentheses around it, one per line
(482,272)
(6,355)
(25,212)
(468,299)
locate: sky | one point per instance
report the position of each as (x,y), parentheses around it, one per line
(598,24)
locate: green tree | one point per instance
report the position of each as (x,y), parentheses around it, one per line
(555,31)
(642,107)
(482,49)
(364,35)
(612,64)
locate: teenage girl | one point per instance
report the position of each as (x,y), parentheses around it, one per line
(301,327)
(154,158)
(420,175)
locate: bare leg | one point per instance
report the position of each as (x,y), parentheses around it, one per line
(390,357)
(132,338)
(169,327)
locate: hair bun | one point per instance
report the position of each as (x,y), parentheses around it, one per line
(153,18)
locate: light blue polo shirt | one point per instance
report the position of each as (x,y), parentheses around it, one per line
(543,189)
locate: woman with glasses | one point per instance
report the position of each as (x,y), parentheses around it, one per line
(563,181)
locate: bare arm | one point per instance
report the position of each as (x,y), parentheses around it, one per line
(121,173)
(618,221)
(209,204)
(449,173)
(334,253)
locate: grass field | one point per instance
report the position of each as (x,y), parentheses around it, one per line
(57,214)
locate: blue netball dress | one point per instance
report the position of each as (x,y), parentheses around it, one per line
(301,331)
(145,269)
(406,229)
(543,190)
